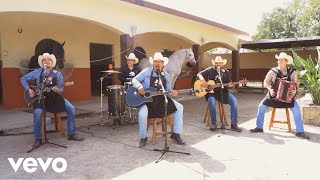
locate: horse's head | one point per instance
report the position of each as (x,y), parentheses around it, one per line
(52,47)
(191,61)
(58,51)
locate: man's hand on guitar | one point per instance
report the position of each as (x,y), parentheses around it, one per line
(174,93)
(31,93)
(55,89)
(141,91)
(204,83)
(230,84)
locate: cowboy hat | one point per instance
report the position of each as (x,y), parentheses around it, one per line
(133,57)
(47,55)
(284,55)
(159,56)
(219,59)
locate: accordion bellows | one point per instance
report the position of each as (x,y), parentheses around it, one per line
(283,92)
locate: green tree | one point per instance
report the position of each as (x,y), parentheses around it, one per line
(309,18)
(301,18)
(280,23)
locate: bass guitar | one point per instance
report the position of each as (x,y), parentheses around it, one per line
(134,99)
(37,92)
(201,91)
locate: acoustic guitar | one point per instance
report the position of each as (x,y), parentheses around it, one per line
(134,99)
(37,91)
(201,91)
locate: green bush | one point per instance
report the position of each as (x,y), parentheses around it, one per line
(309,75)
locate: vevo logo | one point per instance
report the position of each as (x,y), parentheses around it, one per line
(30,164)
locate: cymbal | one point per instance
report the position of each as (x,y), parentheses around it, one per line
(111,71)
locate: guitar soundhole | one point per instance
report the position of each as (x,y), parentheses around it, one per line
(37,92)
(147,94)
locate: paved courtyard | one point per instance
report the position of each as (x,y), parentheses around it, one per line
(110,153)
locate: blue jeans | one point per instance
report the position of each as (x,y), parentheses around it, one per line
(177,119)
(37,117)
(295,111)
(232,101)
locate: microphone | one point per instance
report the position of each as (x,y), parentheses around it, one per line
(45,66)
(218,70)
(219,76)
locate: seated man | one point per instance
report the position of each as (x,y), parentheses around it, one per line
(220,75)
(129,70)
(149,77)
(271,82)
(53,101)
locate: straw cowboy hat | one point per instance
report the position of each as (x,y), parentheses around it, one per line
(159,56)
(219,59)
(133,57)
(284,55)
(47,55)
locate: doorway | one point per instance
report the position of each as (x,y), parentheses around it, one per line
(98,63)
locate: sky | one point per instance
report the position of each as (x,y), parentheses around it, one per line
(244,15)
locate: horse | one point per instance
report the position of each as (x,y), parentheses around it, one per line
(177,61)
(48,46)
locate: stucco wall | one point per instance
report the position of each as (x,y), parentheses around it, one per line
(154,42)
(36,26)
(256,60)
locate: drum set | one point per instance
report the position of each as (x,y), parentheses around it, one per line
(117,106)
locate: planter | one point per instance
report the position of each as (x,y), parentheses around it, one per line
(311,115)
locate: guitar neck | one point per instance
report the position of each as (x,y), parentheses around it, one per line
(219,85)
(161,93)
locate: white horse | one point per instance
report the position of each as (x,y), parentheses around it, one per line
(177,61)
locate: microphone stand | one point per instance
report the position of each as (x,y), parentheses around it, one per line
(44,117)
(166,148)
(222,127)
(101,108)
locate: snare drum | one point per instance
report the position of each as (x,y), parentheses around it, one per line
(116,102)
(127,85)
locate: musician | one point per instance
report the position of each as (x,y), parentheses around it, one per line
(129,70)
(213,73)
(53,102)
(149,77)
(271,81)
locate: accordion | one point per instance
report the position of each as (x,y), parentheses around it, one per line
(283,93)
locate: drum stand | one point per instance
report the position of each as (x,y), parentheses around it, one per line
(101,108)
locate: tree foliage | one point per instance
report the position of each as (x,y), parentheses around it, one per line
(301,18)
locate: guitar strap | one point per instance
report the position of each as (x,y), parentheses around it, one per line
(49,79)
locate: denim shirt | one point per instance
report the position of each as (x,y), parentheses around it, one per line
(143,79)
(35,75)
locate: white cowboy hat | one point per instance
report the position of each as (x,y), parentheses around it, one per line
(219,59)
(47,55)
(133,57)
(159,56)
(284,55)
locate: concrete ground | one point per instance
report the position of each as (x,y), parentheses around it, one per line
(110,153)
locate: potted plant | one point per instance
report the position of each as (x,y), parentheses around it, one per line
(309,77)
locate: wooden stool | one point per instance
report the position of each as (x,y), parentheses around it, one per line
(155,132)
(207,115)
(58,125)
(272,121)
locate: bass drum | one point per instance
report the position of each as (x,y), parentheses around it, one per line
(116,102)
